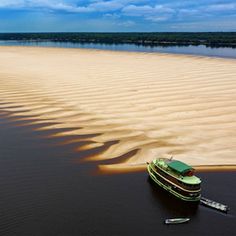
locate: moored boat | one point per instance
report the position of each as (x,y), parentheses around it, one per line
(215,205)
(176,177)
(176,221)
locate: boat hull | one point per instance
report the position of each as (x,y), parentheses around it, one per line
(214,205)
(171,190)
(176,221)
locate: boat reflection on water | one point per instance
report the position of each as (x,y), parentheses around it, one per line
(169,205)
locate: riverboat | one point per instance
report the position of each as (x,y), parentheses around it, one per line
(176,177)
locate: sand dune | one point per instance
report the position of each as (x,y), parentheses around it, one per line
(149,104)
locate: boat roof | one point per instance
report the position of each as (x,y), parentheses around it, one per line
(179,166)
(191,180)
(186,179)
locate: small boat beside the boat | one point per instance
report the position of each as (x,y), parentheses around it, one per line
(176,221)
(215,205)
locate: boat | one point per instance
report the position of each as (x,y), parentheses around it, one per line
(176,177)
(216,205)
(176,221)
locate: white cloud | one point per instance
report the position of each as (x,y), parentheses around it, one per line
(69,5)
(127,23)
(106,6)
(57,5)
(11,3)
(155,14)
(222,7)
(112,15)
(143,9)
(110,6)
(133,10)
(74,6)
(158,18)
(47,4)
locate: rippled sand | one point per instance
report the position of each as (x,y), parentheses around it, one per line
(133,106)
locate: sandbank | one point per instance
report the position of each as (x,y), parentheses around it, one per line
(147,104)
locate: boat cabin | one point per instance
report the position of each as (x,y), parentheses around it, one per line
(176,177)
(180,168)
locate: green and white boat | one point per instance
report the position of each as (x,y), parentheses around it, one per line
(176,177)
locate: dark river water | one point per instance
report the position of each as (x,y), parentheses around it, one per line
(192,50)
(46,189)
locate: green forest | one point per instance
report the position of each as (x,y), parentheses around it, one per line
(217,39)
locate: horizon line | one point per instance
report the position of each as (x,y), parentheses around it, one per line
(112,32)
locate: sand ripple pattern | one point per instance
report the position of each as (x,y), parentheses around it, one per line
(133,106)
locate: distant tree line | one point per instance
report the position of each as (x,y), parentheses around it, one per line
(217,39)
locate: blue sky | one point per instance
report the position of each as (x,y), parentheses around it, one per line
(117,15)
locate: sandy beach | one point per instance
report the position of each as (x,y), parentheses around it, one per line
(134,106)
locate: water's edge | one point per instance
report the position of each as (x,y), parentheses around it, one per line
(200,50)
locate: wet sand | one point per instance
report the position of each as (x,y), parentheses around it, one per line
(127,107)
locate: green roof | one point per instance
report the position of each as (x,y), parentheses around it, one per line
(179,166)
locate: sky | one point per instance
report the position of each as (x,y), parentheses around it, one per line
(117,15)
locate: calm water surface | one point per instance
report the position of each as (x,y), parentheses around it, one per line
(192,50)
(46,189)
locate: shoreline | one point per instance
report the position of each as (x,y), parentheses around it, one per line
(127,51)
(108,169)
(215,168)
(142,168)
